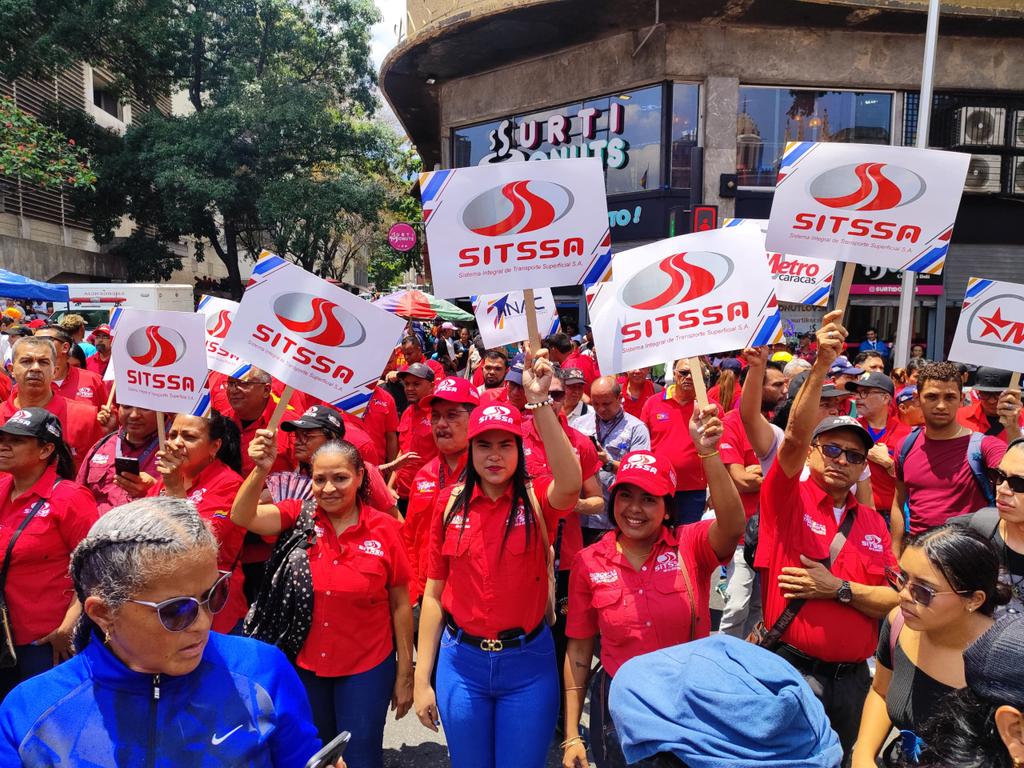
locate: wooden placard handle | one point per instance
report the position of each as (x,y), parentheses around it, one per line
(282,405)
(531,319)
(843,299)
(697,376)
(110,397)
(1015,381)
(161,430)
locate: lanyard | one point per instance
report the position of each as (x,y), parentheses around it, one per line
(442,467)
(601,438)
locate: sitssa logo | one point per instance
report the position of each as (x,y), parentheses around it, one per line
(867,187)
(517,207)
(641,460)
(155,346)
(677,278)
(218,324)
(318,320)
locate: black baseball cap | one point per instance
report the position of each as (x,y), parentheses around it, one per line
(992,663)
(316,417)
(35,422)
(828,390)
(833,423)
(991,380)
(573,376)
(419,370)
(874,380)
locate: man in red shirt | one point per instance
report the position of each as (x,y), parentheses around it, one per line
(494,367)
(637,388)
(32,362)
(412,351)
(997,405)
(875,392)
(101,339)
(450,404)
(380,420)
(834,584)
(667,417)
(416,444)
(561,350)
(250,405)
(74,383)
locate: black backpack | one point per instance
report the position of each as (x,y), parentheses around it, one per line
(283,611)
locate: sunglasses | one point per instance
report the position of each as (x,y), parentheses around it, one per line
(687,374)
(833,451)
(919,593)
(559,395)
(177,614)
(997,477)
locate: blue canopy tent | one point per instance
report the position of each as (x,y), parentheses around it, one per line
(15,286)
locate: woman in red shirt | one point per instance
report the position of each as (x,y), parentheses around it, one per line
(361,605)
(200,462)
(645,585)
(39,497)
(488,588)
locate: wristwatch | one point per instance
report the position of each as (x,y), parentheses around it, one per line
(845,594)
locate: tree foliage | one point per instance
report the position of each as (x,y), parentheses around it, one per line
(39,154)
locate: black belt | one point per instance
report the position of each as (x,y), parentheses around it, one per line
(812,666)
(509,638)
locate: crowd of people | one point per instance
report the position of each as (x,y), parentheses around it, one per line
(506,540)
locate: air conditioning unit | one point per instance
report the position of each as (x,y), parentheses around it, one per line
(979,126)
(983,174)
(1016,175)
(1018,129)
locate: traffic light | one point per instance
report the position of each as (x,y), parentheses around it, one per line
(705,217)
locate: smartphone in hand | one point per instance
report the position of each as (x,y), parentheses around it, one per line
(331,753)
(124,465)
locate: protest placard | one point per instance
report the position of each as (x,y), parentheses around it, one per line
(501,317)
(219,314)
(867,204)
(690,295)
(159,359)
(798,279)
(991,327)
(314,336)
(516,225)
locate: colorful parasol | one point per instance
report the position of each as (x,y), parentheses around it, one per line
(417,305)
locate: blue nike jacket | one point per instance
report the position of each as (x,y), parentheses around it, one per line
(242,706)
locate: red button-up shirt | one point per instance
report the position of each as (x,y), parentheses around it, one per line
(38,589)
(669,424)
(414,434)
(734,448)
(883,485)
(356,434)
(641,611)
(98,471)
(434,481)
(973,417)
(797,519)
(634,406)
(537,466)
(213,492)
(83,386)
(493,583)
(78,421)
(352,575)
(285,460)
(380,417)
(96,364)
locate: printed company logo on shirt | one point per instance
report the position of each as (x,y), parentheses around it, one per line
(425,486)
(661,417)
(196,497)
(44,510)
(371,547)
(100,459)
(669,561)
(318,529)
(520,517)
(872,542)
(814,525)
(84,392)
(604,577)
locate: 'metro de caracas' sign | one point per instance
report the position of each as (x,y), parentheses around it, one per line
(159,359)
(521,142)
(310,334)
(515,226)
(882,206)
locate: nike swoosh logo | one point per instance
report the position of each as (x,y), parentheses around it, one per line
(216,740)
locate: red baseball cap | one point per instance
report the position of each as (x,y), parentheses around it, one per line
(646,471)
(503,417)
(454,389)
(102,329)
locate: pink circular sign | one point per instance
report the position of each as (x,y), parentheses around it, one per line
(402,237)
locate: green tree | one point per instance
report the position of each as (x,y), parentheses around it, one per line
(39,154)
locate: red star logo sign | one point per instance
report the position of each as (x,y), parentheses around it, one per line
(995,324)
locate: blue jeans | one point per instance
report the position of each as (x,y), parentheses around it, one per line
(498,709)
(689,507)
(32,660)
(354,703)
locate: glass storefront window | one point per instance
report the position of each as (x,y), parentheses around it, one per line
(624,129)
(770,117)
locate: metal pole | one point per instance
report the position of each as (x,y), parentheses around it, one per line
(904,323)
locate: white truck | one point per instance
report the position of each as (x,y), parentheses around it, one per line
(95,300)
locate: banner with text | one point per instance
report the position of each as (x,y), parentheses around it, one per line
(501,317)
(159,359)
(219,314)
(696,294)
(868,204)
(991,327)
(313,336)
(797,279)
(516,225)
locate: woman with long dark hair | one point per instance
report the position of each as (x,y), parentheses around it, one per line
(43,515)
(948,581)
(489,587)
(200,462)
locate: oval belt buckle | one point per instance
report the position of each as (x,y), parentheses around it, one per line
(491,646)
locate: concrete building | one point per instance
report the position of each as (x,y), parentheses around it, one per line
(692,103)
